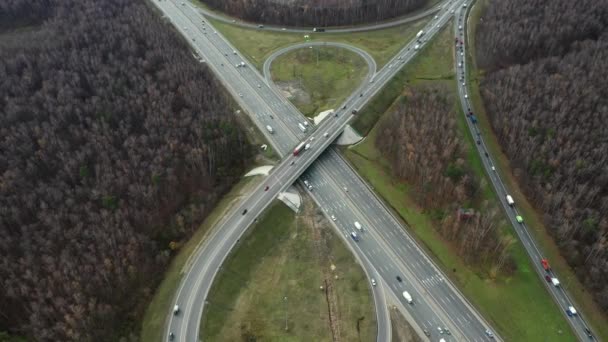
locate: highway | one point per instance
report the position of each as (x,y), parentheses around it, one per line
(384,241)
(559,294)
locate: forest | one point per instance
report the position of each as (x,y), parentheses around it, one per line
(316,12)
(546,93)
(115,143)
(421,141)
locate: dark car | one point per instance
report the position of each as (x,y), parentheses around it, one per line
(244,211)
(171,336)
(548,278)
(588,332)
(427,333)
(354,111)
(266,188)
(399,279)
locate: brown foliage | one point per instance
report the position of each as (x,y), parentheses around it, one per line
(420,140)
(316,13)
(105,134)
(555,108)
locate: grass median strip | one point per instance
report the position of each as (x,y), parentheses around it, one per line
(270,287)
(257,45)
(319,78)
(518,305)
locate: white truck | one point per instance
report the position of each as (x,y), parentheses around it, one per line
(419,34)
(510,200)
(555,282)
(358,226)
(269,129)
(408,297)
(302,127)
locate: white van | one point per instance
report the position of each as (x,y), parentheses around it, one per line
(408,297)
(510,200)
(555,282)
(302,127)
(176,309)
(358,226)
(269,128)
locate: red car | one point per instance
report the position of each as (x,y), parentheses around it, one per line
(266,188)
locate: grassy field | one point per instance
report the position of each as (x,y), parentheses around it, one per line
(533,217)
(269,289)
(328,75)
(162,303)
(518,306)
(257,45)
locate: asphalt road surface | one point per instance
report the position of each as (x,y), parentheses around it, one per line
(558,293)
(384,242)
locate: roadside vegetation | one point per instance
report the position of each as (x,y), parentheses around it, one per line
(513,299)
(270,287)
(258,44)
(319,13)
(160,307)
(318,78)
(560,185)
(510,175)
(115,145)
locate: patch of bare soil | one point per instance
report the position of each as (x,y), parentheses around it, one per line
(402,331)
(294,91)
(319,226)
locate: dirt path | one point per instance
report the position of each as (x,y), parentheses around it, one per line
(316,221)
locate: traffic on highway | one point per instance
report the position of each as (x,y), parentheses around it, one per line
(439,316)
(390,257)
(540,263)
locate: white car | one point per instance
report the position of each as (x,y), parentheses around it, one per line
(326,134)
(436,17)
(466,96)
(493,168)
(283,29)
(333,218)
(176,310)
(373,282)
(240,94)
(259,86)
